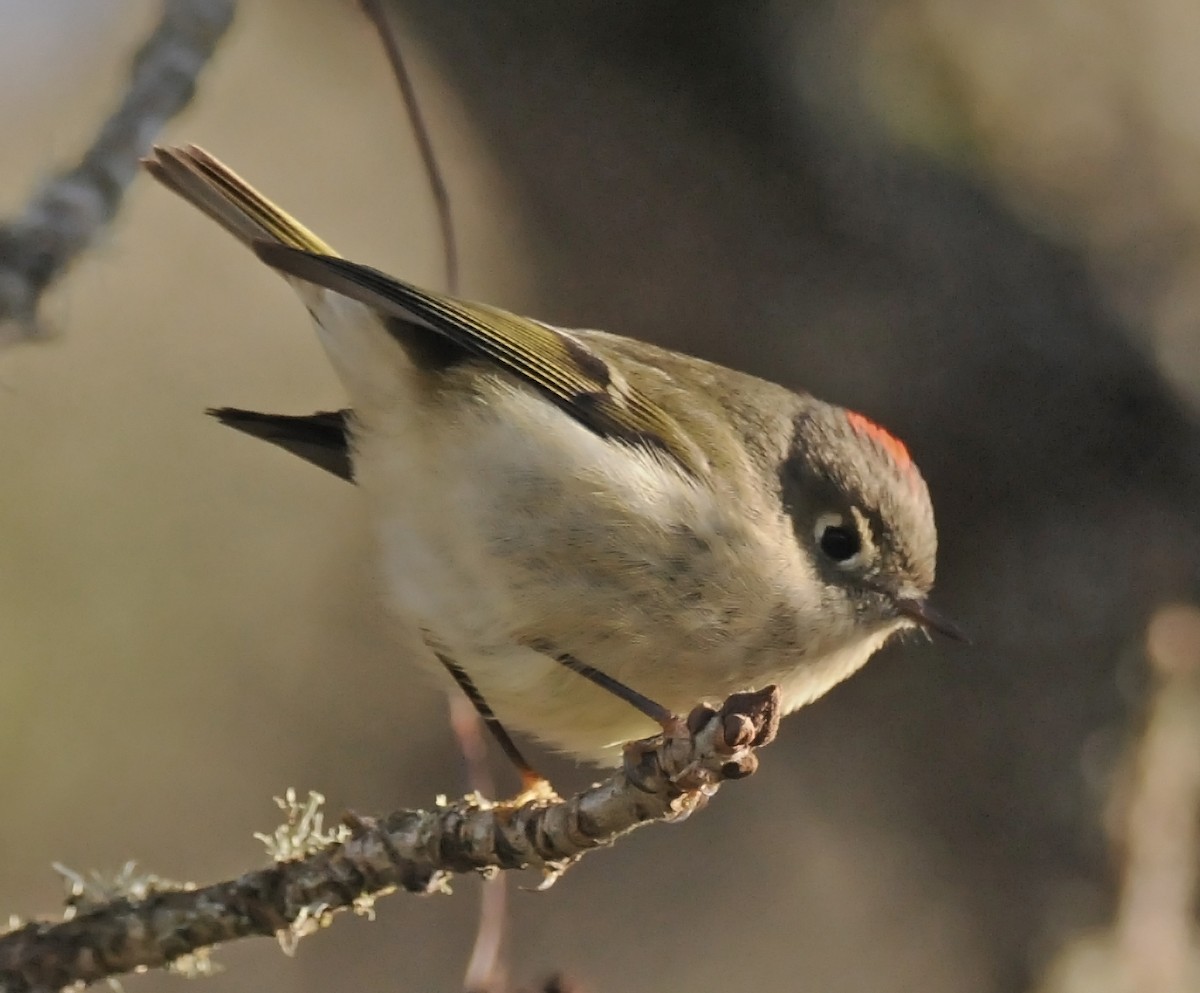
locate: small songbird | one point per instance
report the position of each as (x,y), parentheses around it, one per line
(587,532)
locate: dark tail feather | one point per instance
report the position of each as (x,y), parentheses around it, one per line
(322,438)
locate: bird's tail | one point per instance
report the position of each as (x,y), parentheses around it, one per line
(207,183)
(354,335)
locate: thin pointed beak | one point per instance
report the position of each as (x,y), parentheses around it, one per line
(930,619)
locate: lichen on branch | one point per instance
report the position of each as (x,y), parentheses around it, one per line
(115,929)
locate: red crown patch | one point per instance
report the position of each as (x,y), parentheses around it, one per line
(883,438)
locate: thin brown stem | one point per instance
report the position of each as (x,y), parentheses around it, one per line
(486,970)
(375,10)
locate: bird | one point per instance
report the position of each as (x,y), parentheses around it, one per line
(587,533)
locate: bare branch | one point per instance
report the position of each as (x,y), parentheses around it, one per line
(664,779)
(64,217)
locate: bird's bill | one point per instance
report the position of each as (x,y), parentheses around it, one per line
(929,619)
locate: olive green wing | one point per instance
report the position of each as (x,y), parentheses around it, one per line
(560,367)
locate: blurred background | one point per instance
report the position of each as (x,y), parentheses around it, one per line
(977,222)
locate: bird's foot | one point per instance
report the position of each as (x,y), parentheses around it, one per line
(744,722)
(535,789)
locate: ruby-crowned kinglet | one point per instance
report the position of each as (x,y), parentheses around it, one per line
(549,500)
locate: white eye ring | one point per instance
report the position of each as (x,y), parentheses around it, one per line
(839,540)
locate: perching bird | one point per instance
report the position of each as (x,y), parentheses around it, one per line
(588,532)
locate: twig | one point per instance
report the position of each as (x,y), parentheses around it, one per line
(374,10)
(64,217)
(663,780)
(485,972)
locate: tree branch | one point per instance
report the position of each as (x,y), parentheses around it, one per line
(155,924)
(64,217)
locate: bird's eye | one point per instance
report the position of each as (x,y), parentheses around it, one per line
(838,538)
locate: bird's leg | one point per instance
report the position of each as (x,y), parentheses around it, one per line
(534,786)
(671,723)
(673,726)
